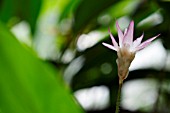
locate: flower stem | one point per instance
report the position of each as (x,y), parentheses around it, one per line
(118,98)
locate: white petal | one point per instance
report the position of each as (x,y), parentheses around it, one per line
(109,46)
(145,43)
(125,31)
(113,40)
(128,38)
(137,42)
(120,34)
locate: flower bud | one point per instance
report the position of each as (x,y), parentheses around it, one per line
(125,57)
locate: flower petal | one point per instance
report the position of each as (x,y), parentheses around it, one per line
(113,40)
(109,46)
(137,42)
(120,34)
(145,43)
(128,38)
(125,31)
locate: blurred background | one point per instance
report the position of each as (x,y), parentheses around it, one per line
(68,34)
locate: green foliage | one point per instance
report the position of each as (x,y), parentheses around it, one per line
(82,15)
(32,83)
(27,84)
(20,10)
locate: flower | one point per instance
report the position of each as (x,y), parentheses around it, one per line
(127,48)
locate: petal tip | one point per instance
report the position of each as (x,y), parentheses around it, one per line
(142,35)
(131,25)
(155,37)
(117,23)
(109,46)
(103,43)
(158,35)
(132,22)
(109,29)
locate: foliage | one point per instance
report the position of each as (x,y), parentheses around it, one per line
(65,53)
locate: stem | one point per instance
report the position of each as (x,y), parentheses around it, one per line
(118,98)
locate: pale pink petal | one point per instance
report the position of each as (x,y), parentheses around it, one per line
(128,38)
(145,43)
(113,39)
(125,31)
(120,34)
(137,42)
(109,46)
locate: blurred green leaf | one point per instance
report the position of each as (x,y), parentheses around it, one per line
(91,70)
(68,9)
(27,84)
(21,9)
(87,10)
(124,7)
(165,26)
(150,7)
(7,10)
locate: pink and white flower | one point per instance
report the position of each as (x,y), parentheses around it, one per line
(127,48)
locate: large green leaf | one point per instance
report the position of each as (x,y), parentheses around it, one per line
(27,84)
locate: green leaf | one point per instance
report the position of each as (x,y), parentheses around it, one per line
(22,10)
(27,84)
(68,9)
(124,8)
(7,10)
(88,10)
